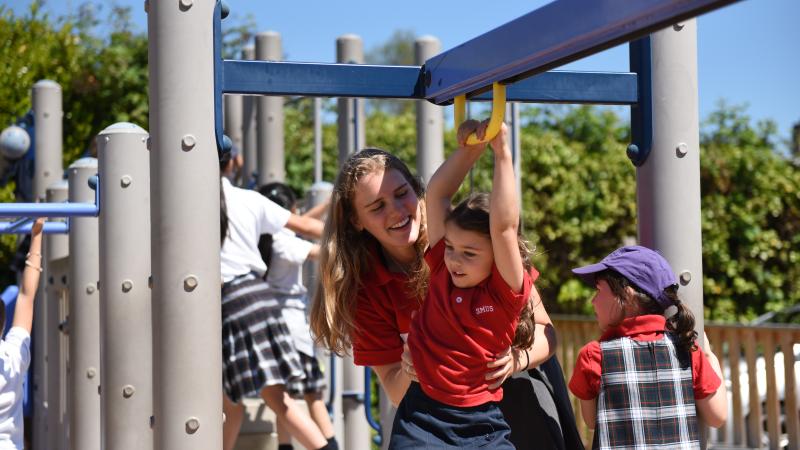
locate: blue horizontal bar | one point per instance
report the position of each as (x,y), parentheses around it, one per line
(551,36)
(48,210)
(561,86)
(321,80)
(360,80)
(49,228)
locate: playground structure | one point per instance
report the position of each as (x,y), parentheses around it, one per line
(160,313)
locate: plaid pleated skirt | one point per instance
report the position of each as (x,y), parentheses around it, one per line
(314,380)
(257,349)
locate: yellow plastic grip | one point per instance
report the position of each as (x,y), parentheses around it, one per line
(498,113)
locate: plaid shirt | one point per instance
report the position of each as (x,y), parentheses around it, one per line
(646,397)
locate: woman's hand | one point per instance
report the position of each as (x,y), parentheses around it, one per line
(506,365)
(407,364)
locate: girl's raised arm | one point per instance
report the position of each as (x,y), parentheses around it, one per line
(23,312)
(504,213)
(448,177)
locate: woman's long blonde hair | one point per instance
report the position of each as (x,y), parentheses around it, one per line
(345,254)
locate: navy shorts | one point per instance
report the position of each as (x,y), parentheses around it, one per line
(424,423)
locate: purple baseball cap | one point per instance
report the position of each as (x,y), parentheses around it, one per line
(645,268)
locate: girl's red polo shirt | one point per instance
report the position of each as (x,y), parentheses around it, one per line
(585,382)
(383,315)
(459,331)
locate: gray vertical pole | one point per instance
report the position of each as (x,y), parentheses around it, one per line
(233,122)
(350,50)
(430,117)
(84,314)
(56,248)
(668,183)
(249,136)
(47,108)
(317,139)
(125,324)
(271,166)
(184,205)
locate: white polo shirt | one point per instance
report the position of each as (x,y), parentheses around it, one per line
(250,215)
(15,353)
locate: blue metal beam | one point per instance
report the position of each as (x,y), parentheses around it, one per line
(369,81)
(48,210)
(553,35)
(48,228)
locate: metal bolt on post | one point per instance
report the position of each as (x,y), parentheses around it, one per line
(125,315)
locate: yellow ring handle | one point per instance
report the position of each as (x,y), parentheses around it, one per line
(498,113)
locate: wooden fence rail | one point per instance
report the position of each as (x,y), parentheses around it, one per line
(763,409)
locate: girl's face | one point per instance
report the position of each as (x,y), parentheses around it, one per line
(468,255)
(606,306)
(388,208)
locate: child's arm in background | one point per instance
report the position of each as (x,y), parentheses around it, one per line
(589,412)
(448,177)
(504,213)
(713,410)
(23,312)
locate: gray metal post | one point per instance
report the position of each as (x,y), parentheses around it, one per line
(233,123)
(430,117)
(271,166)
(84,314)
(350,49)
(249,137)
(668,184)
(184,205)
(56,249)
(47,108)
(125,321)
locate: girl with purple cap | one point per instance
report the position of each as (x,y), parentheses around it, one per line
(645,382)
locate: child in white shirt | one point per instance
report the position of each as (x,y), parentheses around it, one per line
(15,349)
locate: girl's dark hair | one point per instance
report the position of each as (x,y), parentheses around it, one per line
(223,215)
(283,196)
(472,214)
(681,324)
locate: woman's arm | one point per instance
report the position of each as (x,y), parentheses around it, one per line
(23,312)
(394,381)
(448,177)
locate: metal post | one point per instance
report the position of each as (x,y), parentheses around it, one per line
(350,49)
(56,248)
(249,138)
(430,117)
(84,317)
(184,205)
(271,166)
(48,131)
(125,321)
(233,124)
(669,181)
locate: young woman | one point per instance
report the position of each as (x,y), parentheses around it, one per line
(373,272)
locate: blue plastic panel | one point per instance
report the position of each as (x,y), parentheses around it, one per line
(553,35)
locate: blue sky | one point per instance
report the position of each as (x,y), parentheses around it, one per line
(747,52)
